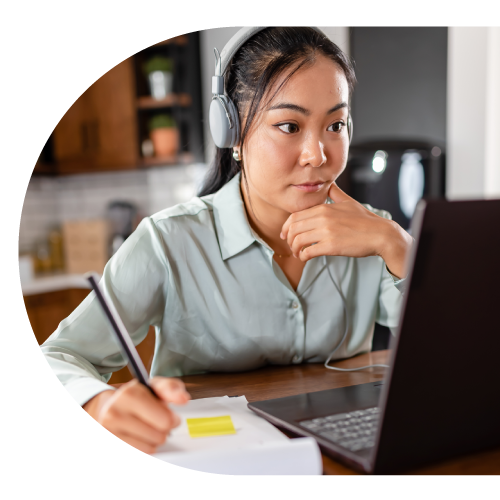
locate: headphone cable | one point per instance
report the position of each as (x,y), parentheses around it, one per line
(344,303)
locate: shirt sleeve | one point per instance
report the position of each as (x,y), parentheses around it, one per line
(399,283)
(83,351)
(390,300)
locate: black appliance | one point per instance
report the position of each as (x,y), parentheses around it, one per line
(393,175)
(123,219)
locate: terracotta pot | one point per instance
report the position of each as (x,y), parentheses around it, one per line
(165,141)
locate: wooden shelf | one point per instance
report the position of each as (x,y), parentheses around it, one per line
(43,168)
(177,40)
(180,159)
(154,161)
(99,134)
(148,102)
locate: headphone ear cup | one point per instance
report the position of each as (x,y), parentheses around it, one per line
(223,114)
(349,128)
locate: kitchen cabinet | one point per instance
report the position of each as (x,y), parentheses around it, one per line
(47,310)
(99,131)
(105,129)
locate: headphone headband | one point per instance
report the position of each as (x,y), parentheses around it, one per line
(236,41)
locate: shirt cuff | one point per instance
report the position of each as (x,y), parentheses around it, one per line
(84,389)
(399,283)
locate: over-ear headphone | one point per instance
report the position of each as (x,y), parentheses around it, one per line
(224,118)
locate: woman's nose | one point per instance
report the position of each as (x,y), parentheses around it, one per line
(313,152)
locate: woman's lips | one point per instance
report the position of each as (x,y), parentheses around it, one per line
(309,187)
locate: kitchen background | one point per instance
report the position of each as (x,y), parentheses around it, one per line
(137,141)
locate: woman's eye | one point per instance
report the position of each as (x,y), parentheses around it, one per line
(289,128)
(336,127)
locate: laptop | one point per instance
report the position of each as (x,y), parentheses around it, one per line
(440,398)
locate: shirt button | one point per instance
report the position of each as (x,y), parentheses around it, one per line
(295,305)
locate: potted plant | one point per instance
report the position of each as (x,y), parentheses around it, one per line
(164,134)
(158,70)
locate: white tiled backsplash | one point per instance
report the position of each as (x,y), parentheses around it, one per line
(49,201)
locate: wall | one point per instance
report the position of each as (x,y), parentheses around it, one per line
(401,91)
(40,210)
(49,201)
(473,162)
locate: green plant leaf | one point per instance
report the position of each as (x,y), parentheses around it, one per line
(162,121)
(157,63)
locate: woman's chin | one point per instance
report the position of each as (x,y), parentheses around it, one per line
(305,201)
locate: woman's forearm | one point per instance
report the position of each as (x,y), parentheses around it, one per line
(397,244)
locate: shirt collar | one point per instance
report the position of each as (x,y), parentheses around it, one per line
(233,229)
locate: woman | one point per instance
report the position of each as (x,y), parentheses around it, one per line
(272,264)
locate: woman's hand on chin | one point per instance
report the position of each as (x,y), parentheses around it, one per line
(347,228)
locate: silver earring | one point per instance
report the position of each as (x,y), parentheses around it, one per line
(236,155)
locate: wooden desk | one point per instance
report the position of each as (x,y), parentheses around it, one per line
(280,381)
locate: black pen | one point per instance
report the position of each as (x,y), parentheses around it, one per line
(135,363)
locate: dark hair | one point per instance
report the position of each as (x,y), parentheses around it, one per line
(255,68)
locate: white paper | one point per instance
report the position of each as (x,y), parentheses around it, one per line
(296,456)
(257,447)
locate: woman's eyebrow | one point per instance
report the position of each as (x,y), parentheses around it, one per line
(304,111)
(293,107)
(338,106)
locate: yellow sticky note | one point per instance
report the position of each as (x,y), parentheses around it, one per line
(211,426)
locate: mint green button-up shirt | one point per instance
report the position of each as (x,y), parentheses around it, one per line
(218,300)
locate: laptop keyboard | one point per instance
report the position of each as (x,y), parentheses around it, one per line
(355,430)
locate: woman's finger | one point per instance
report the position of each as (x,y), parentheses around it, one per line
(136,443)
(170,390)
(300,227)
(308,213)
(313,251)
(137,400)
(138,429)
(306,239)
(337,195)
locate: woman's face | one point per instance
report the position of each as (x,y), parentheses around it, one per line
(297,146)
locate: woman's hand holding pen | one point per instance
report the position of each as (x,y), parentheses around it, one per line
(134,415)
(346,228)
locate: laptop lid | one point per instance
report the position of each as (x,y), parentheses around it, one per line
(442,397)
